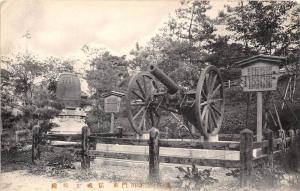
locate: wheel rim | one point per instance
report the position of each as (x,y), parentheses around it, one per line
(142,114)
(210,102)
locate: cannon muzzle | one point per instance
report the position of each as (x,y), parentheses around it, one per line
(163,78)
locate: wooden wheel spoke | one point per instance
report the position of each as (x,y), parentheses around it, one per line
(138,113)
(206,120)
(137,104)
(145,85)
(216,100)
(204,95)
(147,119)
(203,103)
(211,124)
(216,90)
(156,117)
(204,112)
(216,110)
(213,82)
(142,122)
(151,117)
(140,87)
(138,95)
(207,76)
(155,112)
(214,119)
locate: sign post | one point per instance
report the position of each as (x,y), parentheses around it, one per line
(112,102)
(259,116)
(260,73)
(112,123)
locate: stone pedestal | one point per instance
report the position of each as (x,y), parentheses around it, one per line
(143,136)
(214,138)
(257,152)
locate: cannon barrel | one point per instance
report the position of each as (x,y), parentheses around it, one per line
(163,78)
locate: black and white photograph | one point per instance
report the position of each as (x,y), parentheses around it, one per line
(142,95)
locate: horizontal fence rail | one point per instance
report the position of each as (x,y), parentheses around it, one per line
(261,144)
(229,137)
(169,143)
(119,155)
(120,141)
(63,137)
(200,161)
(107,134)
(200,145)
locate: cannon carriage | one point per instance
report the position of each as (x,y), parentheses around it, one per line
(202,107)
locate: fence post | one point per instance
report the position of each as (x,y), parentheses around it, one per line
(246,157)
(167,132)
(35,149)
(297,146)
(270,148)
(119,131)
(228,83)
(292,136)
(85,160)
(154,156)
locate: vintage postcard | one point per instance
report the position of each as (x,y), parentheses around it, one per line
(150,95)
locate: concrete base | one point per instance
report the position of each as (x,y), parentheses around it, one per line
(143,136)
(257,152)
(214,138)
(202,139)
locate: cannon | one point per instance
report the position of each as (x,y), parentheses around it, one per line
(202,107)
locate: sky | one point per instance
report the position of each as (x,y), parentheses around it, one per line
(62,27)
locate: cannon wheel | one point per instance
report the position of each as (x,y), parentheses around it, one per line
(210,102)
(142,114)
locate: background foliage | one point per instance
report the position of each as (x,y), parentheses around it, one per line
(187,42)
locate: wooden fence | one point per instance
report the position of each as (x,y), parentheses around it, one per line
(269,148)
(10,138)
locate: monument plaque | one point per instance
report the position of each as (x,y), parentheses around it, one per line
(112,104)
(260,77)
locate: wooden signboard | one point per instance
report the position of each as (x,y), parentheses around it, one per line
(260,73)
(112,104)
(260,77)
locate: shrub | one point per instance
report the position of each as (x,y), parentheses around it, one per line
(195,178)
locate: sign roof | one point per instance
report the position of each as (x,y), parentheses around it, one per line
(115,93)
(277,60)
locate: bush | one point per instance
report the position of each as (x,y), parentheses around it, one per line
(195,178)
